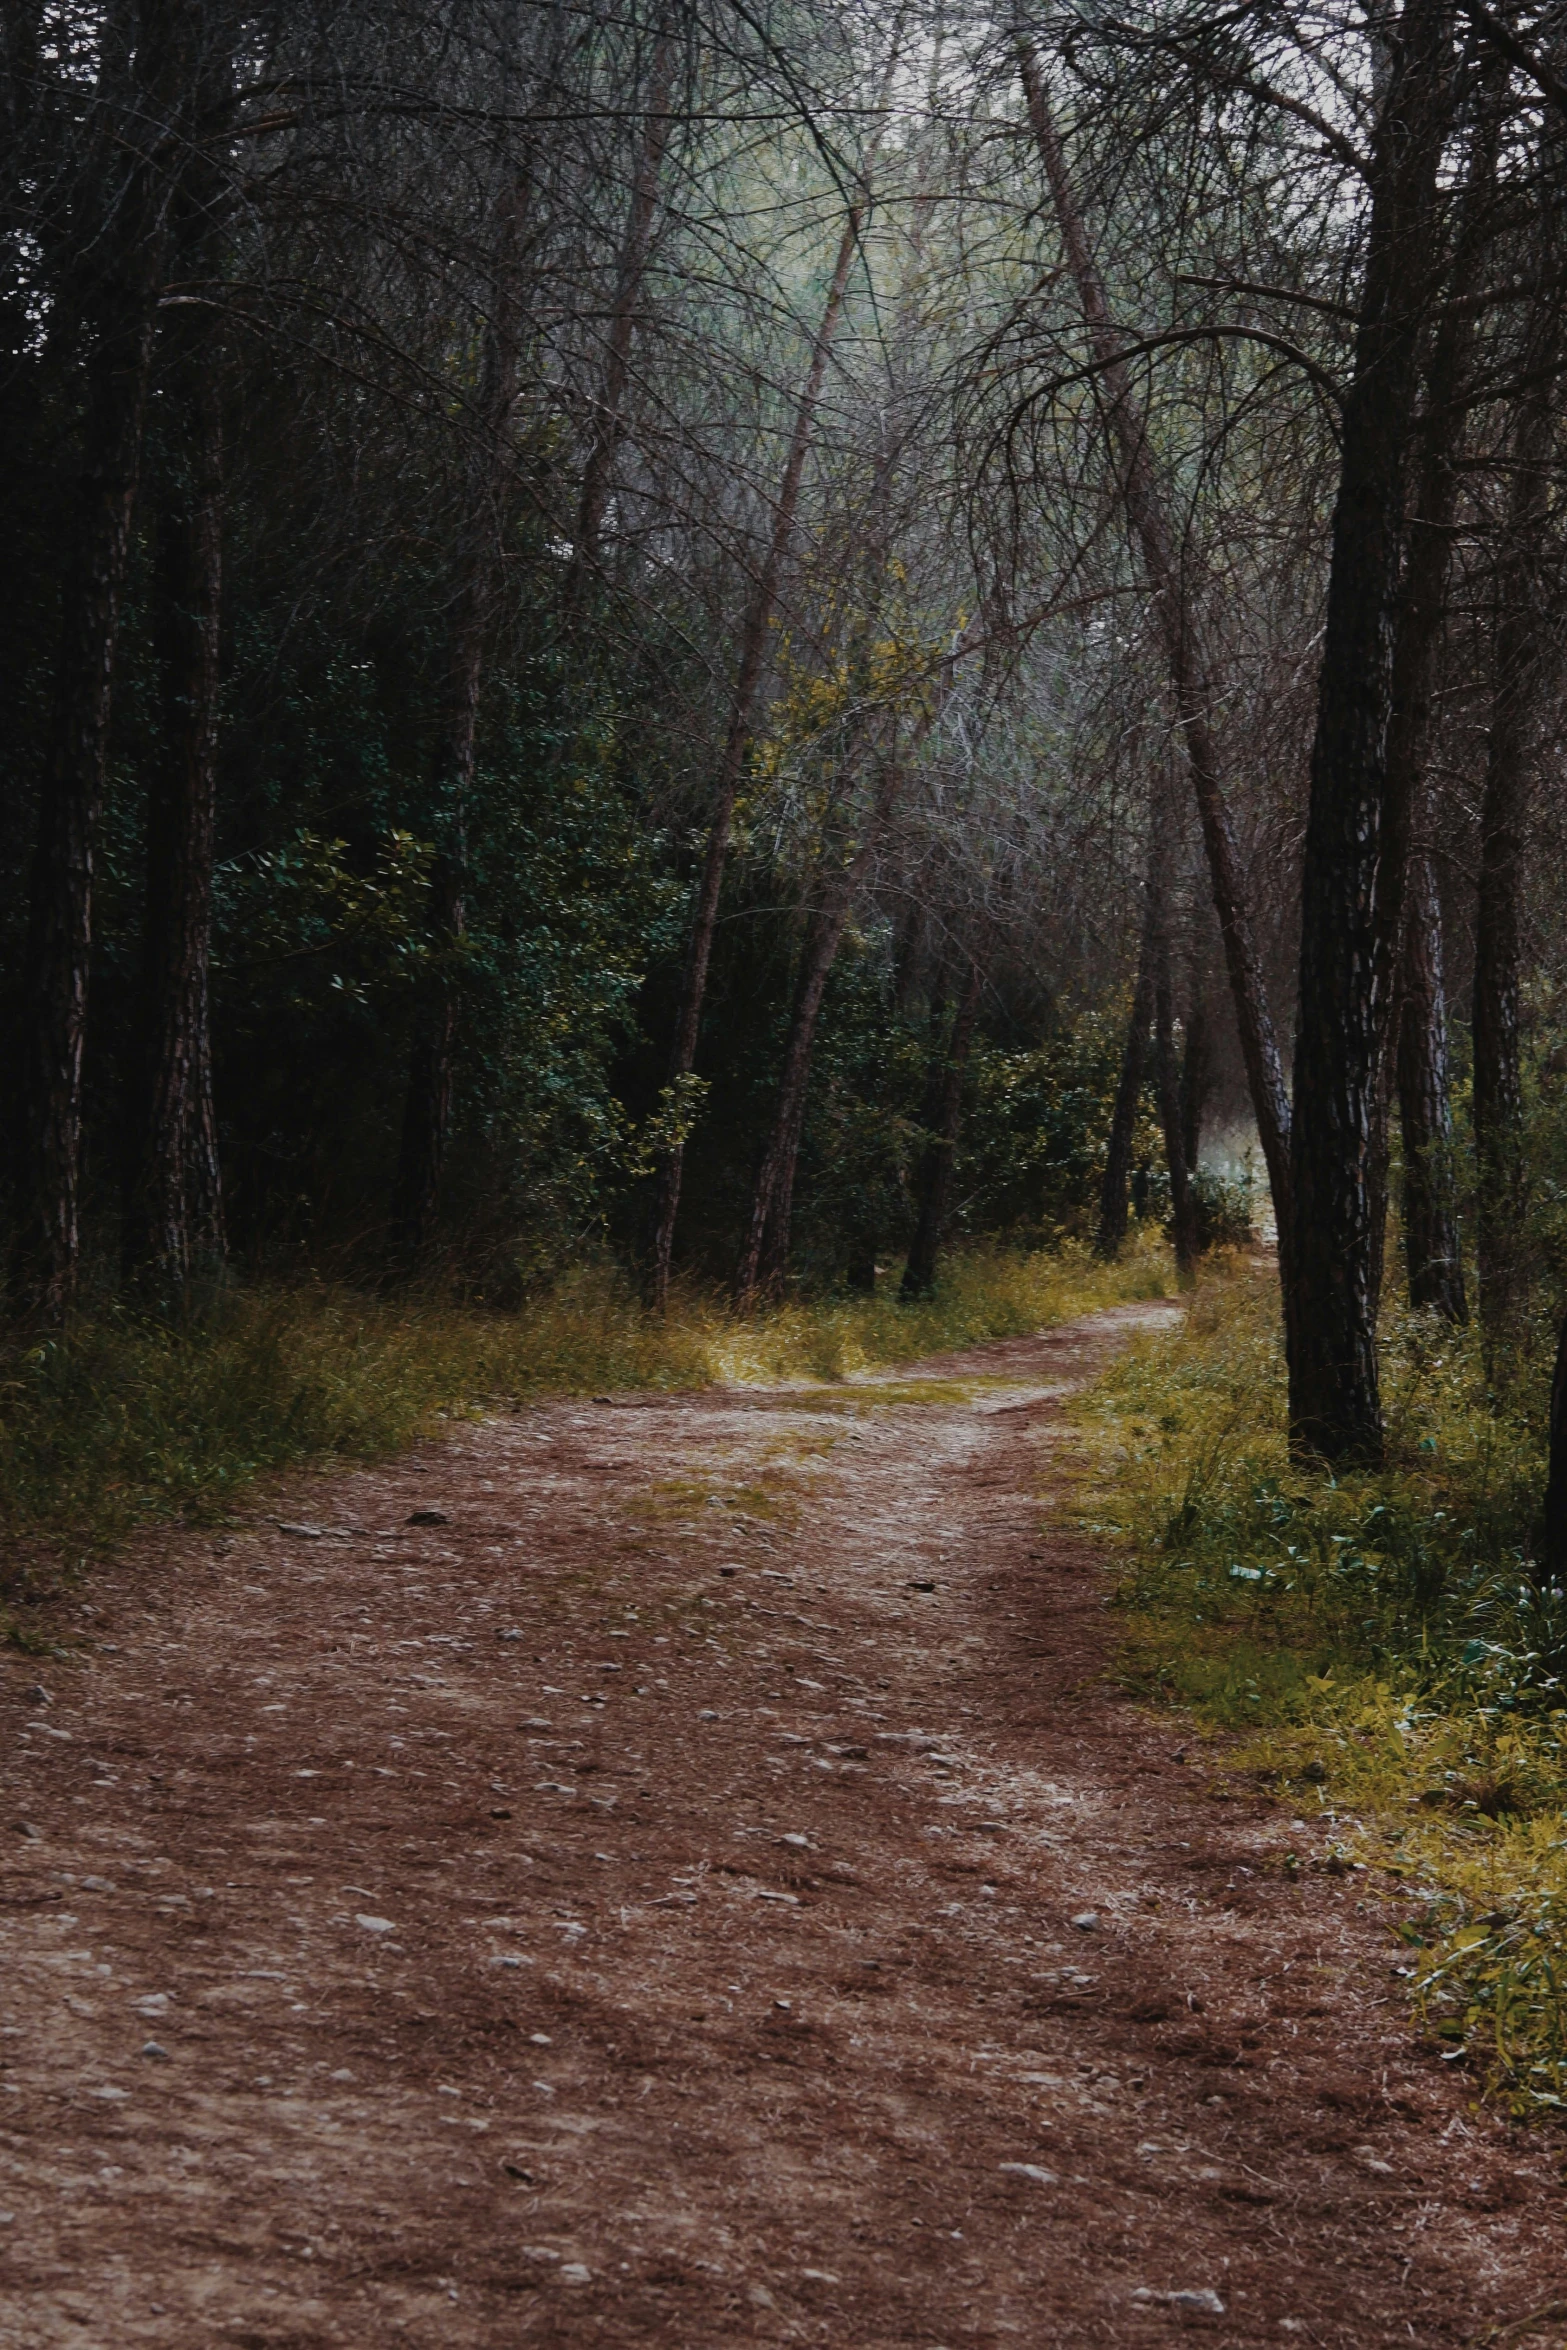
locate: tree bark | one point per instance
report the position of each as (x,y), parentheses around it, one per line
(1128,1093)
(174,1224)
(1411,927)
(609,414)
(944,1121)
(173,1228)
(115,295)
(1433,1254)
(859,1274)
(1183,1213)
(764,1259)
(1410,937)
(427,1104)
(1518,663)
(1191,690)
(1196,1076)
(1330,1317)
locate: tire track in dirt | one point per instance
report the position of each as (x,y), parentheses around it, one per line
(648,1901)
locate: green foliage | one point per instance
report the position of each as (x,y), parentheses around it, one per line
(571,898)
(1031,1149)
(1545,1129)
(862,1134)
(1379,1645)
(326,939)
(1226,1206)
(1034,1143)
(671,1122)
(304,913)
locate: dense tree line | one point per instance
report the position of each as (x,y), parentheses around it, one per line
(757,636)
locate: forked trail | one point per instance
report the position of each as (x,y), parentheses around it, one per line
(695,1888)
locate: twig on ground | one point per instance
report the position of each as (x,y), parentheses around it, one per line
(1500,2337)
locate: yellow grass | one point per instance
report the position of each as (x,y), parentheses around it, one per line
(124,1421)
(1374,1647)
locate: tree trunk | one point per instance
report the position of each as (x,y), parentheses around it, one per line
(859,1274)
(1183,1212)
(1432,1251)
(1330,1316)
(1191,689)
(174,1225)
(1128,1093)
(1411,928)
(764,1260)
(1518,662)
(1410,939)
(1196,1075)
(609,415)
(116,298)
(737,743)
(427,1104)
(173,1231)
(945,1114)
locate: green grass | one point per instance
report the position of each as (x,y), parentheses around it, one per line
(1375,1647)
(123,1422)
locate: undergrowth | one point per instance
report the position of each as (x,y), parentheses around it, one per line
(122,1422)
(1379,1643)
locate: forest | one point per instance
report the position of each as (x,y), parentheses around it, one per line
(848,711)
(745,646)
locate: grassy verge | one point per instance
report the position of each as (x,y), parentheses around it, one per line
(1376,1646)
(125,1422)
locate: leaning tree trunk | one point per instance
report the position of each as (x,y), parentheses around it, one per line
(1191,690)
(764,1260)
(116,299)
(937,1165)
(1518,663)
(737,743)
(1128,1093)
(1330,1318)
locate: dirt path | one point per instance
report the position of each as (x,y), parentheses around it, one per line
(694,1891)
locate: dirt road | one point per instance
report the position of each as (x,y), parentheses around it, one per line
(668,1871)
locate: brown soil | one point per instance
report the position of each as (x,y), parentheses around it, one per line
(651,1905)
